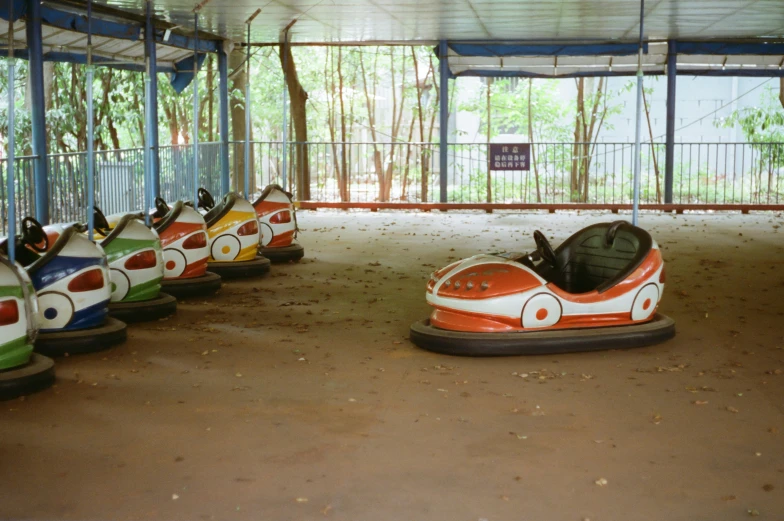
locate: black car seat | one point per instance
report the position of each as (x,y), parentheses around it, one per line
(599,257)
(221,209)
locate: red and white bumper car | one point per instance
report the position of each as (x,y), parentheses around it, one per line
(600,289)
(278,225)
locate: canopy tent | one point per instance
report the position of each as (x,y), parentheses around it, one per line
(116,42)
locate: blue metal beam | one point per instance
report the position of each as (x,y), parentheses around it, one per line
(223,100)
(152,113)
(443,119)
(742,73)
(669,160)
(732,48)
(38,115)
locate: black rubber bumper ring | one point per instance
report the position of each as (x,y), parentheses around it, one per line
(554,341)
(159,307)
(203,286)
(242,269)
(59,343)
(36,375)
(291,253)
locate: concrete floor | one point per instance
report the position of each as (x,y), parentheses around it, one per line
(298,396)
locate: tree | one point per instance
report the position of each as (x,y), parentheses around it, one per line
(299,98)
(762,125)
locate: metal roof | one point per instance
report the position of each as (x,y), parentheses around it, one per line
(394,21)
(60,42)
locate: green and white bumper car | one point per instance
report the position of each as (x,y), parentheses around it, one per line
(136,268)
(21,371)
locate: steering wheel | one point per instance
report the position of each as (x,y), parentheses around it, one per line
(161,208)
(205,199)
(33,234)
(543,247)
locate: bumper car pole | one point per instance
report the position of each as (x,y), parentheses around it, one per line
(285,41)
(9,178)
(196,103)
(90,126)
(148,100)
(246,190)
(638,124)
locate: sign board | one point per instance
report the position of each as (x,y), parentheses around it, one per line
(509,156)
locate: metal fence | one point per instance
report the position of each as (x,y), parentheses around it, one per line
(598,173)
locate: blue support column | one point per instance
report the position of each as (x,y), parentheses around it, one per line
(223,98)
(443,118)
(38,116)
(151,123)
(672,71)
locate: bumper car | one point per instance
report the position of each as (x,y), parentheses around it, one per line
(233,233)
(70,275)
(135,268)
(278,225)
(21,371)
(600,289)
(183,235)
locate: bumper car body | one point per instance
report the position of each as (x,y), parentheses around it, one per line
(604,278)
(278,225)
(136,268)
(71,277)
(183,235)
(233,237)
(21,371)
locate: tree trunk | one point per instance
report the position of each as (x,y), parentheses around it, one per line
(574,181)
(299,98)
(210,87)
(329,88)
(489,124)
(653,147)
(371,110)
(531,143)
(345,194)
(781,91)
(237,110)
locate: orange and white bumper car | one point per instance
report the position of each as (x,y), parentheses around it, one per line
(600,289)
(278,225)
(183,235)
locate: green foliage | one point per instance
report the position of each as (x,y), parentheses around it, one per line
(763,123)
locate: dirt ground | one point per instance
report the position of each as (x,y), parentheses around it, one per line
(299,397)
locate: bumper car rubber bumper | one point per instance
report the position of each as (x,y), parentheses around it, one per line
(81,341)
(554,341)
(241,269)
(203,286)
(141,311)
(36,375)
(291,253)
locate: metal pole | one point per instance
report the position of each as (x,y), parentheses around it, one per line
(90,126)
(247,116)
(196,109)
(151,126)
(672,72)
(38,112)
(9,178)
(637,145)
(223,95)
(443,141)
(285,107)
